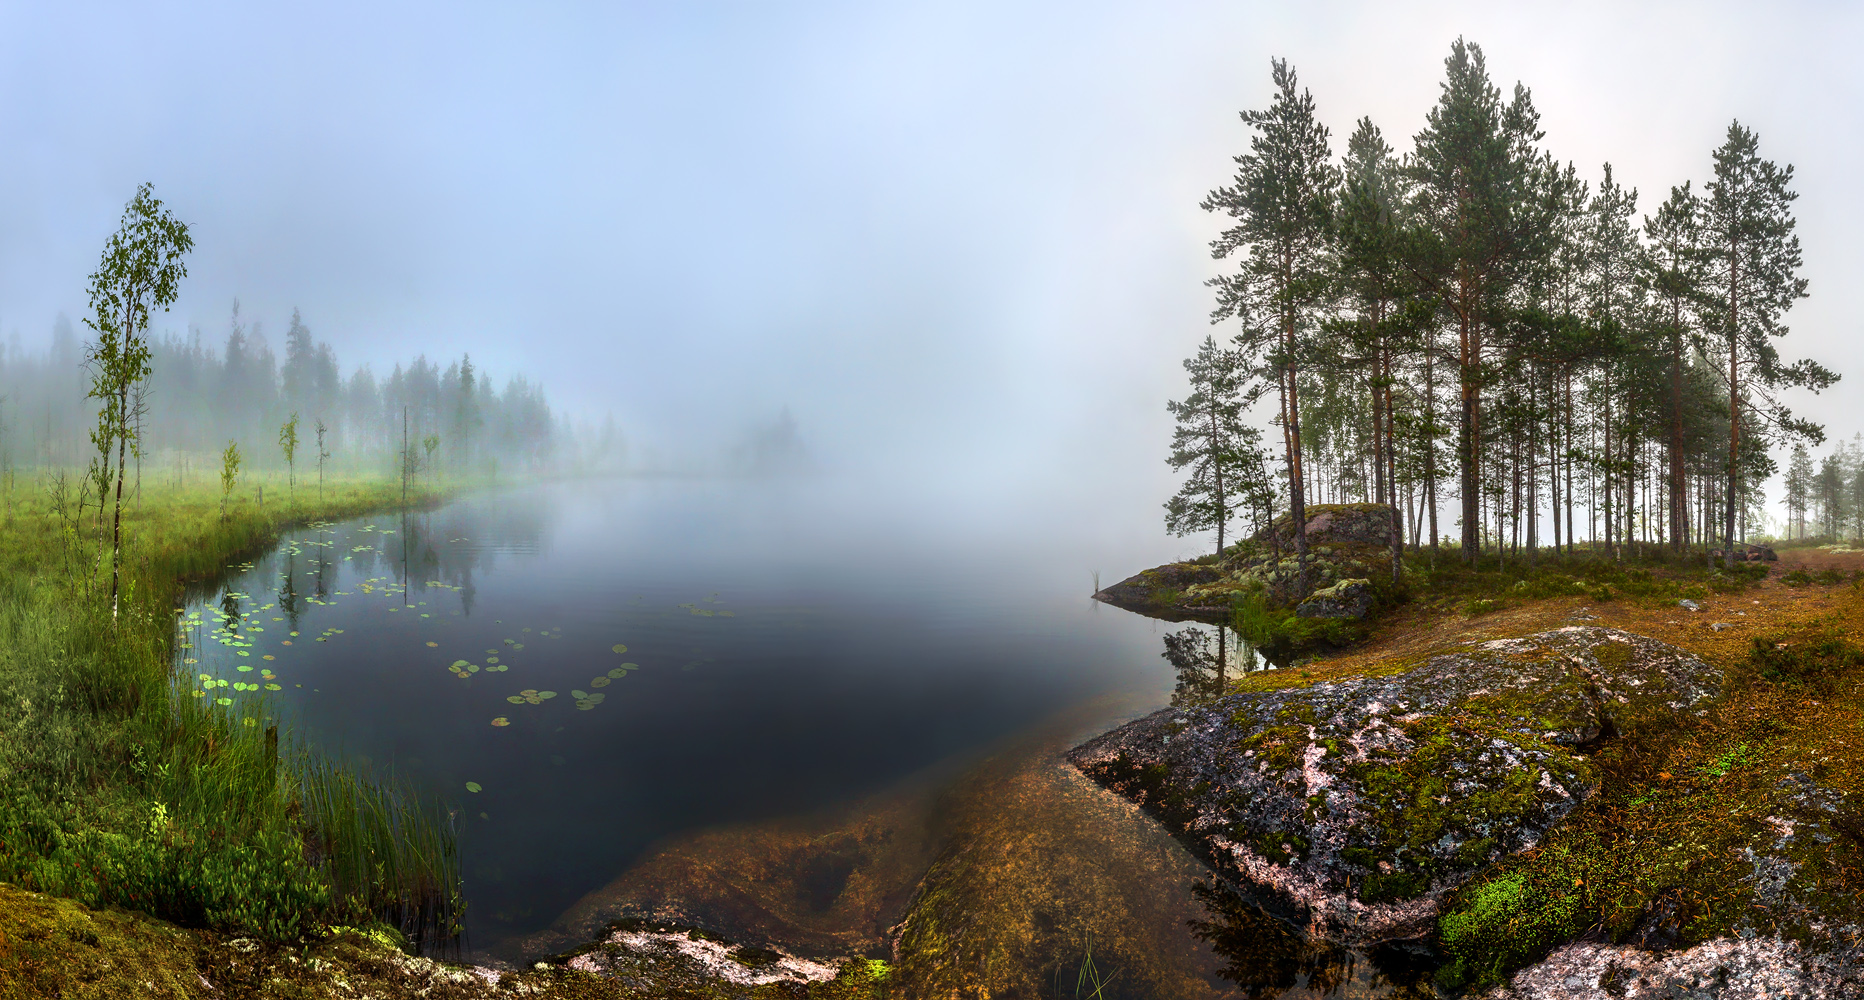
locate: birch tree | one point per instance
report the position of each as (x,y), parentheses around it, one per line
(140,272)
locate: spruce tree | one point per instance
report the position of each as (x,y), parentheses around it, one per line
(1280,202)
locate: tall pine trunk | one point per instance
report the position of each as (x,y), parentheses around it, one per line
(1468,431)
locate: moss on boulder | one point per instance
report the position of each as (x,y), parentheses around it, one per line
(1356,806)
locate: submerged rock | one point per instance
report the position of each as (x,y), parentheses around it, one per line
(1355,806)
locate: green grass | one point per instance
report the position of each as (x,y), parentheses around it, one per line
(119,788)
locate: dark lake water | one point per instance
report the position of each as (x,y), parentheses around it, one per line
(774,701)
(755,650)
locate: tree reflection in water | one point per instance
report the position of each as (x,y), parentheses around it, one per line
(1206,657)
(1265,957)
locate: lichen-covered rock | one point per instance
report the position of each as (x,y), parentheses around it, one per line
(1355,806)
(1741,968)
(1350,524)
(1791,936)
(1346,599)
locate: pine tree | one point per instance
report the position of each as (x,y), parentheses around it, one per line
(1368,226)
(1748,228)
(1484,212)
(1222,452)
(1673,271)
(1613,246)
(1281,202)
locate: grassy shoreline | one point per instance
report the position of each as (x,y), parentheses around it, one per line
(119,789)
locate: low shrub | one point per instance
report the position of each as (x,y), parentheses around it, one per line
(1814,657)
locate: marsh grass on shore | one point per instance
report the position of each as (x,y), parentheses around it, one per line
(118,787)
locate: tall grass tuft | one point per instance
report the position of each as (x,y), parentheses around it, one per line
(387,852)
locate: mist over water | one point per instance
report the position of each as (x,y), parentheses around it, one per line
(797,644)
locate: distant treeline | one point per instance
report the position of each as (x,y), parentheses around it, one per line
(1826,501)
(201,395)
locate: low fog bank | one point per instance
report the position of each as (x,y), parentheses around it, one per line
(443,417)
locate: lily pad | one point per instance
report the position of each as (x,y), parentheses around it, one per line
(474,786)
(244,668)
(598,682)
(273,687)
(502,721)
(584,706)
(223,701)
(515,699)
(433,645)
(579,695)
(268,656)
(618,648)
(546,694)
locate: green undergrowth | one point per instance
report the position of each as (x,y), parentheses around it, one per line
(1659,854)
(117,789)
(1281,636)
(1495,582)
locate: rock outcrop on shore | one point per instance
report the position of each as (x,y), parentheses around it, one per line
(1349,570)
(1355,806)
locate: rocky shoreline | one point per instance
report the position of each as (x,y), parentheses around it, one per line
(1356,808)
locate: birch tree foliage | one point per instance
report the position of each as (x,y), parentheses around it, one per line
(140,273)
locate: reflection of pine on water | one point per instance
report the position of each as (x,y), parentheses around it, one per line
(1203,666)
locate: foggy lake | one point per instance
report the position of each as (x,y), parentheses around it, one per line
(719,651)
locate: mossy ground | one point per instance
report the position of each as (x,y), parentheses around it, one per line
(52,947)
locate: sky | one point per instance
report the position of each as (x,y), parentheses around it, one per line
(959,241)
